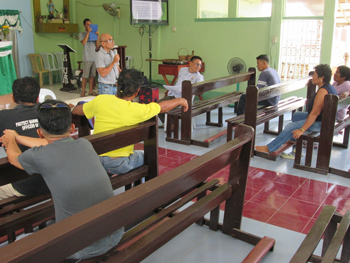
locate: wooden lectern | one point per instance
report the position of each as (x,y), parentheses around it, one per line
(67,68)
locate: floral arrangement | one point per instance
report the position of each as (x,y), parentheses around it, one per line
(4,30)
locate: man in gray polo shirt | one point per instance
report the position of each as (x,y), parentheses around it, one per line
(107,66)
(88,58)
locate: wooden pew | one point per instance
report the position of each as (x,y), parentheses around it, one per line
(335,229)
(188,90)
(329,128)
(254,116)
(146,132)
(60,240)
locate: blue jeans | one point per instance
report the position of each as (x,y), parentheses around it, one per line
(100,247)
(107,89)
(298,121)
(122,165)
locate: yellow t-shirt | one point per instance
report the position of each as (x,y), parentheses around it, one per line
(111,112)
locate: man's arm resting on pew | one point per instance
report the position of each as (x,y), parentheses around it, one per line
(12,150)
(27,141)
(170,104)
(77,110)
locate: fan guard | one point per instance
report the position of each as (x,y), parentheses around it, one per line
(236,66)
(111,9)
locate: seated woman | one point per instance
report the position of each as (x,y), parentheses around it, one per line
(342,86)
(311,119)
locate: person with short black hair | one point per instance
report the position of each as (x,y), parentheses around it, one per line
(190,73)
(75,186)
(342,86)
(89,55)
(267,77)
(117,111)
(309,120)
(24,121)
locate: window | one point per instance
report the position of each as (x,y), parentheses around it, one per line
(212,9)
(254,8)
(304,8)
(300,47)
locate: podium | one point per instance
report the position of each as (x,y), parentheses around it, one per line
(67,68)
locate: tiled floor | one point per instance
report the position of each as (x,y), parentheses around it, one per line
(280,201)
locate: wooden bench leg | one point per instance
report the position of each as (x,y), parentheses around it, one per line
(176,127)
(208,117)
(220,116)
(280,123)
(298,151)
(214,218)
(168,125)
(309,151)
(229,131)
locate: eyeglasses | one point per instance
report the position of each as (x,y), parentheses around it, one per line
(109,40)
(198,65)
(50,106)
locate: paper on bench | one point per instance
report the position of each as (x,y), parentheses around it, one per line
(173,88)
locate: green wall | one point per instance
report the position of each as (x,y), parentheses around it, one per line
(216,41)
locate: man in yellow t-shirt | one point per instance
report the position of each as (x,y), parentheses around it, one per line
(114,111)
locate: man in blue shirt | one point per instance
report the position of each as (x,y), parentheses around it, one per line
(268,77)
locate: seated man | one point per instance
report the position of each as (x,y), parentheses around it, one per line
(23,119)
(115,111)
(75,186)
(268,77)
(186,73)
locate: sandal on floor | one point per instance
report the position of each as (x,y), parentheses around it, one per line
(93,94)
(288,156)
(82,95)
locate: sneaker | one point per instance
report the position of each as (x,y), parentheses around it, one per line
(288,156)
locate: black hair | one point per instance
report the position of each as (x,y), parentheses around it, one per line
(344,71)
(85,20)
(325,71)
(129,82)
(264,58)
(25,90)
(195,57)
(55,120)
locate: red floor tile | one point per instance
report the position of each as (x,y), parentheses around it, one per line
(308,227)
(258,212)
(250,193)
(338,190)
(300,207)
(290,221)
(280,189)
(259,178)
(177,155)
(315,197)
(165,161)
(289,179)
(315,186)
(271,200)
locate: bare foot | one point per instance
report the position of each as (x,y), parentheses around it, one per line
(263,149)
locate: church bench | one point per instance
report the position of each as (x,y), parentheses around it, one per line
(60,240)
(14,218)
(255,116)
(188,90)
(335,229)
(329,128)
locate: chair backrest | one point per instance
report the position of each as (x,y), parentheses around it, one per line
(37,62)
(46,92)
(59,59)
(49,61)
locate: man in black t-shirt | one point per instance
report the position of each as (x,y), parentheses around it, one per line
(23,119)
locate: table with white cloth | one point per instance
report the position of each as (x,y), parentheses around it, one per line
(7,68)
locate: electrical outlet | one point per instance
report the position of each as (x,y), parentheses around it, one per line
(174,28)
(118,10)
(274,40)
(141,31)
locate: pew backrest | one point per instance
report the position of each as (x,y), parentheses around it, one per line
(58,241)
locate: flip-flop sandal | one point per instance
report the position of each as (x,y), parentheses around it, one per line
(82,95)
(93,94)
(288,156)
